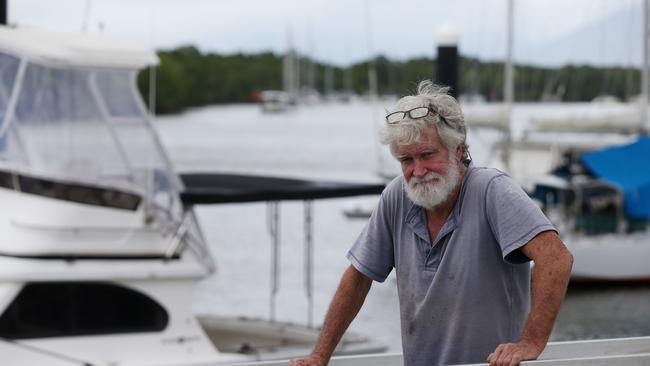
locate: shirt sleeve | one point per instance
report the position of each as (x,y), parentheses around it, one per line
(372,252)
(513,217)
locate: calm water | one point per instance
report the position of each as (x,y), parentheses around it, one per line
(327,142)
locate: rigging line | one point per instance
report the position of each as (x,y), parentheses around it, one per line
(45,351)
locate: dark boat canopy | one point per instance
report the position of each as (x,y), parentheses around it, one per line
(228,188)
(628,168)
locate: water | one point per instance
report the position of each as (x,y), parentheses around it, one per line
(328,141)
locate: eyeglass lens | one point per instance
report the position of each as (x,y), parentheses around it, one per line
(415,113)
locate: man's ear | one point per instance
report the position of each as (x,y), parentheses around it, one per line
(459,152)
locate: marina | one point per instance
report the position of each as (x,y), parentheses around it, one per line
(218,235)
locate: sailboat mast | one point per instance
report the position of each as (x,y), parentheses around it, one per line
(372,71)
(508,85)
(289,67)
(508,91)
(373,88)
(645,73)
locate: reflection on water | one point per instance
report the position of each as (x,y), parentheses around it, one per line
(604,311)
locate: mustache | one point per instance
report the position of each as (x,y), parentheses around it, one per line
(429,177)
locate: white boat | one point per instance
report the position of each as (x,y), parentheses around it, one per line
(276,101)
(600,202)
(99,253)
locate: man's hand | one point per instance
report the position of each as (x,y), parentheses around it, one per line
(347,301)
(510,354)
(550,278)
(312,360)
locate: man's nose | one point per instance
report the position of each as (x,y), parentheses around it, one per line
(419,170)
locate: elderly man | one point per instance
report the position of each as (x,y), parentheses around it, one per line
(460,239)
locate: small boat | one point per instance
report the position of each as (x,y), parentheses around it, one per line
(275,101)
(359,210)
(101,249)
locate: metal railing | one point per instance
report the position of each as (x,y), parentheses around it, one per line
(603,352)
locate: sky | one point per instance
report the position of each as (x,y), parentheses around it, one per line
(342,32)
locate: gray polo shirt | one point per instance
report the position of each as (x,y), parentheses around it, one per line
(466,291)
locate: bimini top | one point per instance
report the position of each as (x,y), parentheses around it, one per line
(628,167)
(74,49)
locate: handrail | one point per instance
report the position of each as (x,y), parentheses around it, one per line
(177,238)
(640,359)
(634,351)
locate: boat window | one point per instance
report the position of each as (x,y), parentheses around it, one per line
(8,71)
(86,126)
(61,130)
(62,309)
(115,87)
(69,191)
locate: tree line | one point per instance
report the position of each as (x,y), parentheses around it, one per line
(187,78)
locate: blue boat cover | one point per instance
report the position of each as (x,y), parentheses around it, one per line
(628,168)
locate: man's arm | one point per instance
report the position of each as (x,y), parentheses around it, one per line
(551,273)
(347,301)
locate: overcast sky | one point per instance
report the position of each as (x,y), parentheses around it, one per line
(345,31)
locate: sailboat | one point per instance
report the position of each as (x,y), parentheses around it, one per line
(600,202)
(101,249)
(597,196)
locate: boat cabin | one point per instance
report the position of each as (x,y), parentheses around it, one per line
(600,192)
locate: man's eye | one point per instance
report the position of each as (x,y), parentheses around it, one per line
(405,160)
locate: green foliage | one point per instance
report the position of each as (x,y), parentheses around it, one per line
(186,77)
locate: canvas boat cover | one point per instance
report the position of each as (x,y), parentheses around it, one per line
(628,168)
(72,49)
(228,188)
(71,115)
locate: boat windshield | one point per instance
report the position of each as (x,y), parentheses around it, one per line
(84,125)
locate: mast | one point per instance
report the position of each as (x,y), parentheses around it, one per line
(645,74)
(372,89)
(289,75)
(508,85)
(372,71)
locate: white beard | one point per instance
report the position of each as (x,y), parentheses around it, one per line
(433,189)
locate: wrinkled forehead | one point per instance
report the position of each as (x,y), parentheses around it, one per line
(410,102)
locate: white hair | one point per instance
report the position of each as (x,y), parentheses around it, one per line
(448,120)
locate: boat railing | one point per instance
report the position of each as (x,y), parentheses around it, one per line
(620,351)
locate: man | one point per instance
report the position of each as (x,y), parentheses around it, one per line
(460,239)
